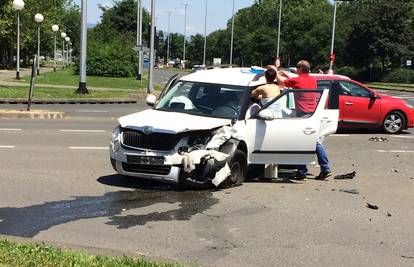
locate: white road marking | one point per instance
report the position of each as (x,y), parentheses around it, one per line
(7,146)
(402,136)
(88,147)
(9,129)
(92,111)
(340,135)
(83,131)
(395,151)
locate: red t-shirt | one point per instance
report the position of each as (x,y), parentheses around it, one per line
(304,102)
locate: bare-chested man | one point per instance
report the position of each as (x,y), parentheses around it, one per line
(269,90)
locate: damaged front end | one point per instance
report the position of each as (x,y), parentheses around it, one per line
(203,157)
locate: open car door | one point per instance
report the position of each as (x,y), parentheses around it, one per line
(279,135)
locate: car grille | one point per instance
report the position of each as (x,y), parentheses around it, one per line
(154,141)
(147,169)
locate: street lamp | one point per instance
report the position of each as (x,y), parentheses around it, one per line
(83,48)
(278,36)
(150,87)
(70,52)
(185,28)
(63,35)
(67,39)
(18,5)
(139,39)
(232,37)
(205,36)
(39,19)
(55,28)
(168,38)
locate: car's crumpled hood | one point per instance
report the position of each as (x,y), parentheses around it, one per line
(170,122)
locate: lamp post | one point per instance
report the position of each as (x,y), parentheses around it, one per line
(55,28)
(150,87)
(83,48)
(185,29)
(67,39)
(278,36)
(70,52)
(139,39)
(63,35)
(18,5)
(39,19)
(232,37)
(205,36)
(168,39)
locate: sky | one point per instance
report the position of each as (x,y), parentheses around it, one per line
(219,12)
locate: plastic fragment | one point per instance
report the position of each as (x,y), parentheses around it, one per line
(350,175)
(374,207)
(351,191)
(379,139)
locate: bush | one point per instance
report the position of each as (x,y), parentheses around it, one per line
(399,76)
(348,71)
(110,59)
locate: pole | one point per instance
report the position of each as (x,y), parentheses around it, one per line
(63,53)
(82,66)
(150,87)
(54,54)
(185,30)
(205,36)
(232,37)
(31,87)
(168,38)
(139,38)
(18,48)
(38,49)
(331,62)
(278,31)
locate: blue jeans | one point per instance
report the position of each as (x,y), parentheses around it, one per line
(322,160)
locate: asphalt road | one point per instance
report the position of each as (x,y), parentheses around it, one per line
(58,185)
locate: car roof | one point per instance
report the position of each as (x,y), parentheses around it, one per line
(329,76)
(230,76)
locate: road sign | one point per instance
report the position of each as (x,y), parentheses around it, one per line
(408,63)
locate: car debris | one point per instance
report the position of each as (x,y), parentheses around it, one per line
(351,191)
(374,207)
(389,214)
(350,175)
(379,139)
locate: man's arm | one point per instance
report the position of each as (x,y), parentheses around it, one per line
(257,92)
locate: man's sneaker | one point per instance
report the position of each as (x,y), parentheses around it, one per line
(323,175)
(299,176)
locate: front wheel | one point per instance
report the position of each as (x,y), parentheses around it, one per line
(238,168)
(394,122)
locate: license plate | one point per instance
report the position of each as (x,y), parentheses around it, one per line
(145,160)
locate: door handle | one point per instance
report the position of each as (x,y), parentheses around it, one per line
(309,131)
(348,103)
(326,120)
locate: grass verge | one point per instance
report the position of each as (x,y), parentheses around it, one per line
(22,255)
(59,93)
(392,86)
(66,77)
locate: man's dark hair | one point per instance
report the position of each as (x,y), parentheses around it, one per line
(304,66)
(270,75)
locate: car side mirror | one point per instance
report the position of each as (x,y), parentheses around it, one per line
(266,114)
(151,99)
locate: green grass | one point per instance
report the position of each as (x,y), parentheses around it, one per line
(66,77)
(59,93)
(392,86)
(22,255)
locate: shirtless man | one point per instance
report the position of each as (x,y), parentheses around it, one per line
(269,90)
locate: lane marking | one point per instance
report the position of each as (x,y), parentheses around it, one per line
(9,129)
(395,151)
(84,131)
(92,111)
(88,148)
(340,135)
(402,136)
(7,146)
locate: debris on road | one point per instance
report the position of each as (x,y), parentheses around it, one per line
(350,175)
(395,170)
(407,257)
(389,214)
(351,191)
(379,139)
(372,206)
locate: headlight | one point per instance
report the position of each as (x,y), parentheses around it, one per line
(116,132)
(199,138)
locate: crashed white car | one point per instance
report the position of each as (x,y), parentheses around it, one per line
(205,129)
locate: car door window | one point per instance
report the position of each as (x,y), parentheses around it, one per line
(353,89)
(324,84)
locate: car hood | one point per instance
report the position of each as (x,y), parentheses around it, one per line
(391,98)
(170,122)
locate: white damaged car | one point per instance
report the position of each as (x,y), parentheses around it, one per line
(206,130)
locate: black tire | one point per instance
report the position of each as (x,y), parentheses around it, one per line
(238,167)
(394,122)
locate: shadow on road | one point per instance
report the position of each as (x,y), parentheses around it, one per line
(177,206)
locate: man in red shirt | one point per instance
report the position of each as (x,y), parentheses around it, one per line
(305,104)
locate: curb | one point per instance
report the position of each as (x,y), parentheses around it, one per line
(69,101)
(33,114)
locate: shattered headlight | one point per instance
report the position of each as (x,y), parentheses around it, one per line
(115,141)
(200,138)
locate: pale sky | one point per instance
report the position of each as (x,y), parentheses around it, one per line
(219,12)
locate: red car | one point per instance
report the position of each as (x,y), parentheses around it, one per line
(361,107)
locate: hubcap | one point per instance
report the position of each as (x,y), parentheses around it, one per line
(393,123)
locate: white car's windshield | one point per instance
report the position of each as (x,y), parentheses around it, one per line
(204,99)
